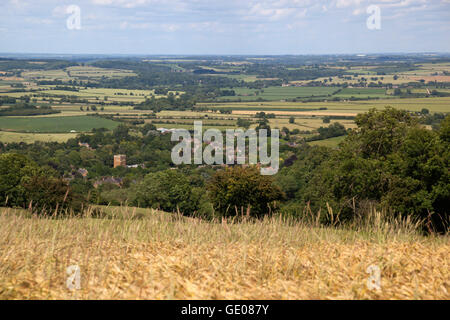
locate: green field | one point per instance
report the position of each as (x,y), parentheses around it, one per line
(55,124)
(331,143)
(362,93)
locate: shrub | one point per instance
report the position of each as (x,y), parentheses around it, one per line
(47,195)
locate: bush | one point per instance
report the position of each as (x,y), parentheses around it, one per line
(47,195)
(24,184)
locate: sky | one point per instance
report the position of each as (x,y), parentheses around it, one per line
(224,27)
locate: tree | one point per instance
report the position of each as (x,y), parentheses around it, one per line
(243,123)
(391,161)
(15,170)
(236,189)
(24,184)
(382,132)
(121,133)
(263,124)
(47,195)
(291,120)
(167,190)
(334,130)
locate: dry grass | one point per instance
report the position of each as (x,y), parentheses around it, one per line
(152,255)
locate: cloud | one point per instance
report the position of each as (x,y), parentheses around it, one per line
(223,25)
(347,3)
(127,3)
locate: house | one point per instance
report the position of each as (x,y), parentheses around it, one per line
(85,145)
(164,130)
(136,166)
(83,172)
(108,180)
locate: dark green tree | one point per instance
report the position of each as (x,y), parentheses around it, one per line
(167,190)
(15,171)
(236,189)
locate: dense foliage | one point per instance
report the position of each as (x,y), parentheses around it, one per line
(24,184)
(235,190)
(388,161)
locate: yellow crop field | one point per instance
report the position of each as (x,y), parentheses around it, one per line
(9,137)
(143,254)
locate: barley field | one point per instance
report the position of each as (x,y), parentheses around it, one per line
(143,254)
(10,137)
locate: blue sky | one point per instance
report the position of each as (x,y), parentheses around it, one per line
(224,26)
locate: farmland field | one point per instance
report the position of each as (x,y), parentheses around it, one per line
(93,72)
(351,107)
(80,72)
(362,92)
(280,93)
(9,137)
(144,254)
(54,124)
(94,94)
(331,142)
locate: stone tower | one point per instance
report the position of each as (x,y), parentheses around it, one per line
(120,160)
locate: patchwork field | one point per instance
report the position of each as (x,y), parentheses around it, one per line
(280,93)
(119,102)
(348,107)
(93,72)
(74,73)
(93,95)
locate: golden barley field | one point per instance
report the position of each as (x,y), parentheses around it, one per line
(143,254)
